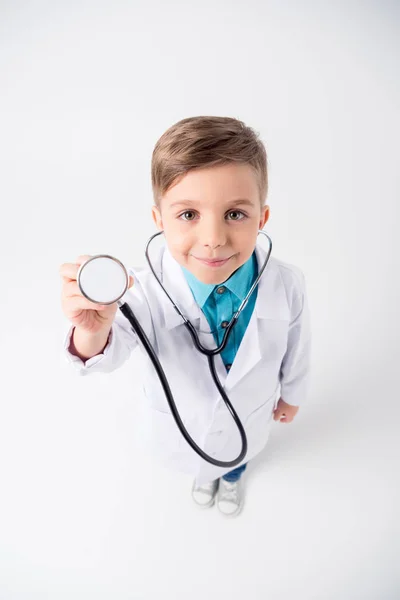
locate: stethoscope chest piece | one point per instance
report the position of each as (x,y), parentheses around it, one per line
(103,279)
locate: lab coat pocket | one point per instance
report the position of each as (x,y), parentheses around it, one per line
(258,423)
(166,431)
(168,443)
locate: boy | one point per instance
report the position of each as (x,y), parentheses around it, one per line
(209,179)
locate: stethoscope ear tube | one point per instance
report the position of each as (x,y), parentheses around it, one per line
(127,312)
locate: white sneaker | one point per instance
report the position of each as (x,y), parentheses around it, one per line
(230,497)
(204,495)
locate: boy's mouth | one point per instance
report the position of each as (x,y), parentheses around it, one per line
(214,262)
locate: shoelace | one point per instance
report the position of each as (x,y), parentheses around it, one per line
(207,488)
(230,492)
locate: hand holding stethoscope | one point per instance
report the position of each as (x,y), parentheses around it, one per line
(89,315)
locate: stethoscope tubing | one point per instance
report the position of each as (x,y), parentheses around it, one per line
(210,353)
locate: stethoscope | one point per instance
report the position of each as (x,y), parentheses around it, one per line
(103,279)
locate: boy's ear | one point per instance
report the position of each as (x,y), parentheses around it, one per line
(155,213)
(264,216)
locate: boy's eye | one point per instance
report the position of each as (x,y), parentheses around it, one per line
(187,212)
(236,212)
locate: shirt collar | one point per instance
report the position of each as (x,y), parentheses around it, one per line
(238,283)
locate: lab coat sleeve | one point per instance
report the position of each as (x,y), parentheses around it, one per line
(295,367)
(121,341)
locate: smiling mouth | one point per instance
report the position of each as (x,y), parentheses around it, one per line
(212,262)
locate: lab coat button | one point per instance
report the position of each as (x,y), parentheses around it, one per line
(228,366)
(224,324)
(221,289)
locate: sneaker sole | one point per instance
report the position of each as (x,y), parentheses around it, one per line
(233,514)
(207,505)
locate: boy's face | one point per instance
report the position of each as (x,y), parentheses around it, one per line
(212,214)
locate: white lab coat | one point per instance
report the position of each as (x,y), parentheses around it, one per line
(274,353)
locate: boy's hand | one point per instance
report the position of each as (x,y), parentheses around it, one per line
(285,413)
(87,316)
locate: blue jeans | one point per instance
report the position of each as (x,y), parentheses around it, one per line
(235,474)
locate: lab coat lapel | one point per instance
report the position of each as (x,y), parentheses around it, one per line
(248,354)
(266,307)
(177,287)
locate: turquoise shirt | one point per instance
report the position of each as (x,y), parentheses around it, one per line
(220,302)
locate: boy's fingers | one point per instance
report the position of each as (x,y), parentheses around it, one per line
(70,288)
(130,281)
(278,416)
(81,303)
(69,271)
(82,258)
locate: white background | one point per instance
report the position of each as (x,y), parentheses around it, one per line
(86,89)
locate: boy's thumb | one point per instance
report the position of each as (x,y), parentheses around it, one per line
(130,281)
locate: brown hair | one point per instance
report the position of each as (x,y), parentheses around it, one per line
(199,142)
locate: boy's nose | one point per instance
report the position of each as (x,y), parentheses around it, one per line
(213,235)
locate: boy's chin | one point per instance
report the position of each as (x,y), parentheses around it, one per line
(212,278)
